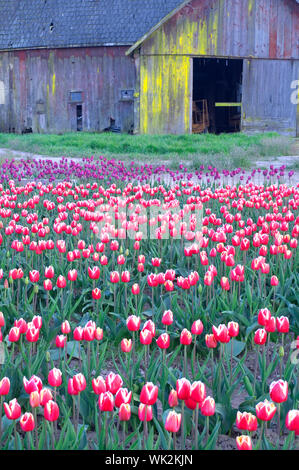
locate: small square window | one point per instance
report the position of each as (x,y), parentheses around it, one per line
(127,95)
(76,96)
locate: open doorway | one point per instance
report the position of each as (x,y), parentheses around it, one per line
(217,95)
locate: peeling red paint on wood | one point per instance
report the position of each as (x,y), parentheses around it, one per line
(40,82)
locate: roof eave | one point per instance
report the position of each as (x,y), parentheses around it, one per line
(66,46)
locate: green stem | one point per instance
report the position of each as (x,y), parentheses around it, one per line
(183,426)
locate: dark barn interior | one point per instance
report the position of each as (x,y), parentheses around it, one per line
(217,85)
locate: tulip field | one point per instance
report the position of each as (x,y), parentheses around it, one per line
(137,313)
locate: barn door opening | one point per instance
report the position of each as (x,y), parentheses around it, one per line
(217,95)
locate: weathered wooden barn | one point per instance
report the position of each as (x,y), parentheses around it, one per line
(63,63)
(149,66)
(239,58)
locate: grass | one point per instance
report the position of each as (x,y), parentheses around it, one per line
(224,150)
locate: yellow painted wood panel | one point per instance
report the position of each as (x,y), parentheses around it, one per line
(164,94)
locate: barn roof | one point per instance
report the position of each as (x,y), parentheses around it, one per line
(26,24)
(156,26)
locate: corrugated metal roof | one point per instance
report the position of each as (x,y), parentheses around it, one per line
(63,23)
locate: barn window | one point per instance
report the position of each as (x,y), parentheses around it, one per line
(127,95)
(76,96)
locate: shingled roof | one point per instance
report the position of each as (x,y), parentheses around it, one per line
(27,24)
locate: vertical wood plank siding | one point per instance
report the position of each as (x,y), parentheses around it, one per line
(267,104)
(37,85)
(265,32)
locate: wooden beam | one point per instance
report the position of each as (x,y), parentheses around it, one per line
(226,105)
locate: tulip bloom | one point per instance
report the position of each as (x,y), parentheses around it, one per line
(78,333)
(61,282)
(27,422)
(197,327)
(279,391)
(264,316)
(167,318)
(224,282)
(221,333)
(114,277)
(94,273)
(88,332)
(149,394)
(265,410)
(48,284)
(65,327)
(14,334)
(163,341)
(51,411)
(274,281)
(49,272)
(198,391)
(146,337)
(79,382)
(244,442)
(156,262)
(34,276)
(233,329)
(183,388)
(72,275)
(124,412)
(96,293)
(135,289)
(122,396)
(270,326)
(45,395)
(34,399)
(98,334)
(113,382)
(133,323)
(21,324)
(185,337)
(246,421)
(145,409)
(150,326)
(32,334)
(106,401)
(126,345)
(173,421)
(260,336)
(173,398)
(208,407)
(99,385)
(70,387)
(4,386)
(12,409)
(211,341)
(33,384)
(282,324)
(60,341)
(292,420)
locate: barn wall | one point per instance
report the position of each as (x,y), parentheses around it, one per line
(36,86)
(230,28)
(263,31)
(165,94)
(267,103)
